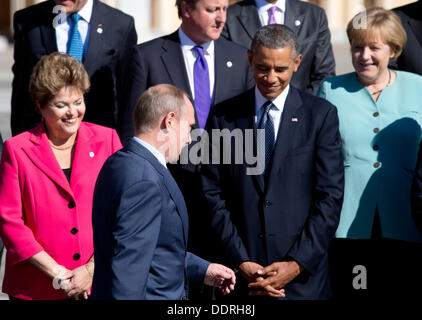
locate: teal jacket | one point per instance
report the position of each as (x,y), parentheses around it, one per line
(380,144)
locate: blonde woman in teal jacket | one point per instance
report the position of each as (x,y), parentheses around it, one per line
(380,113)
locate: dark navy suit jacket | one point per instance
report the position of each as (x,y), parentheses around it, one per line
(140,227)
(411,18)
(105,61)
(293,213)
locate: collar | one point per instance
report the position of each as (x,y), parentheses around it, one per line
(263,5)
(277,102)
(157,154)
(187,44)
(86,11)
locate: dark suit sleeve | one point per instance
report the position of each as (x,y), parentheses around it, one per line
(212,184)
(134,85)
(123,71)
(135,234)
(21,100)
(417,192)
(312,243)
(196,267)
(323,64)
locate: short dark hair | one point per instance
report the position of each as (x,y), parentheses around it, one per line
(275,36)
(156,102)
(190,3)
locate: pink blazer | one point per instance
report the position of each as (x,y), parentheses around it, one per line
(40,210)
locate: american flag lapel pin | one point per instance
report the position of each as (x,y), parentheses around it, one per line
(294,119)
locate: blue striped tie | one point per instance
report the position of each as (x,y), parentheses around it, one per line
(75,45)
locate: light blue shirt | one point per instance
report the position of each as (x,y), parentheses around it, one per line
(157,154)
(64,28)
(380,145)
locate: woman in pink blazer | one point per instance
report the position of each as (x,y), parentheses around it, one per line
(47,179)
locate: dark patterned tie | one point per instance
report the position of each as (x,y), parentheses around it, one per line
(266,123)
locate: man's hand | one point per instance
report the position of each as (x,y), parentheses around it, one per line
(249,271)
(276,275)
(221,277)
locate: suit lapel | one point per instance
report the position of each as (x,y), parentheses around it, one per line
(249,18)
(246,122)
(293,18)
(220,69)
(43,157)
(86,148)
(291,118)
(96,39)
(169,182)
(172,59)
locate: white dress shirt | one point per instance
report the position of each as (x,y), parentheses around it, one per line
(274,113)
(263,7)
(190,55)
(157,154)
(64,28)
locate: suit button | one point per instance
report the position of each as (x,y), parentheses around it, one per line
(376,130)
(377,165)
(375,148)
(74,231)
(261,236)
(71,204)
(267,203)
(76,256)
(376,114)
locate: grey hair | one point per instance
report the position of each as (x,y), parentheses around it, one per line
(275,36)
(157,102)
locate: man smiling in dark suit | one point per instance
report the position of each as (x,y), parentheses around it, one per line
(101,41)
(309,23)
(276,226)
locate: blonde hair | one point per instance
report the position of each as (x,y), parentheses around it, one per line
(54,72)
(379,22)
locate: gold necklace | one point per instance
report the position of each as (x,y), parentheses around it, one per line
(388,84)
(62,148)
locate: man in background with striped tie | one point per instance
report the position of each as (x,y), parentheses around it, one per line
(89,30)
